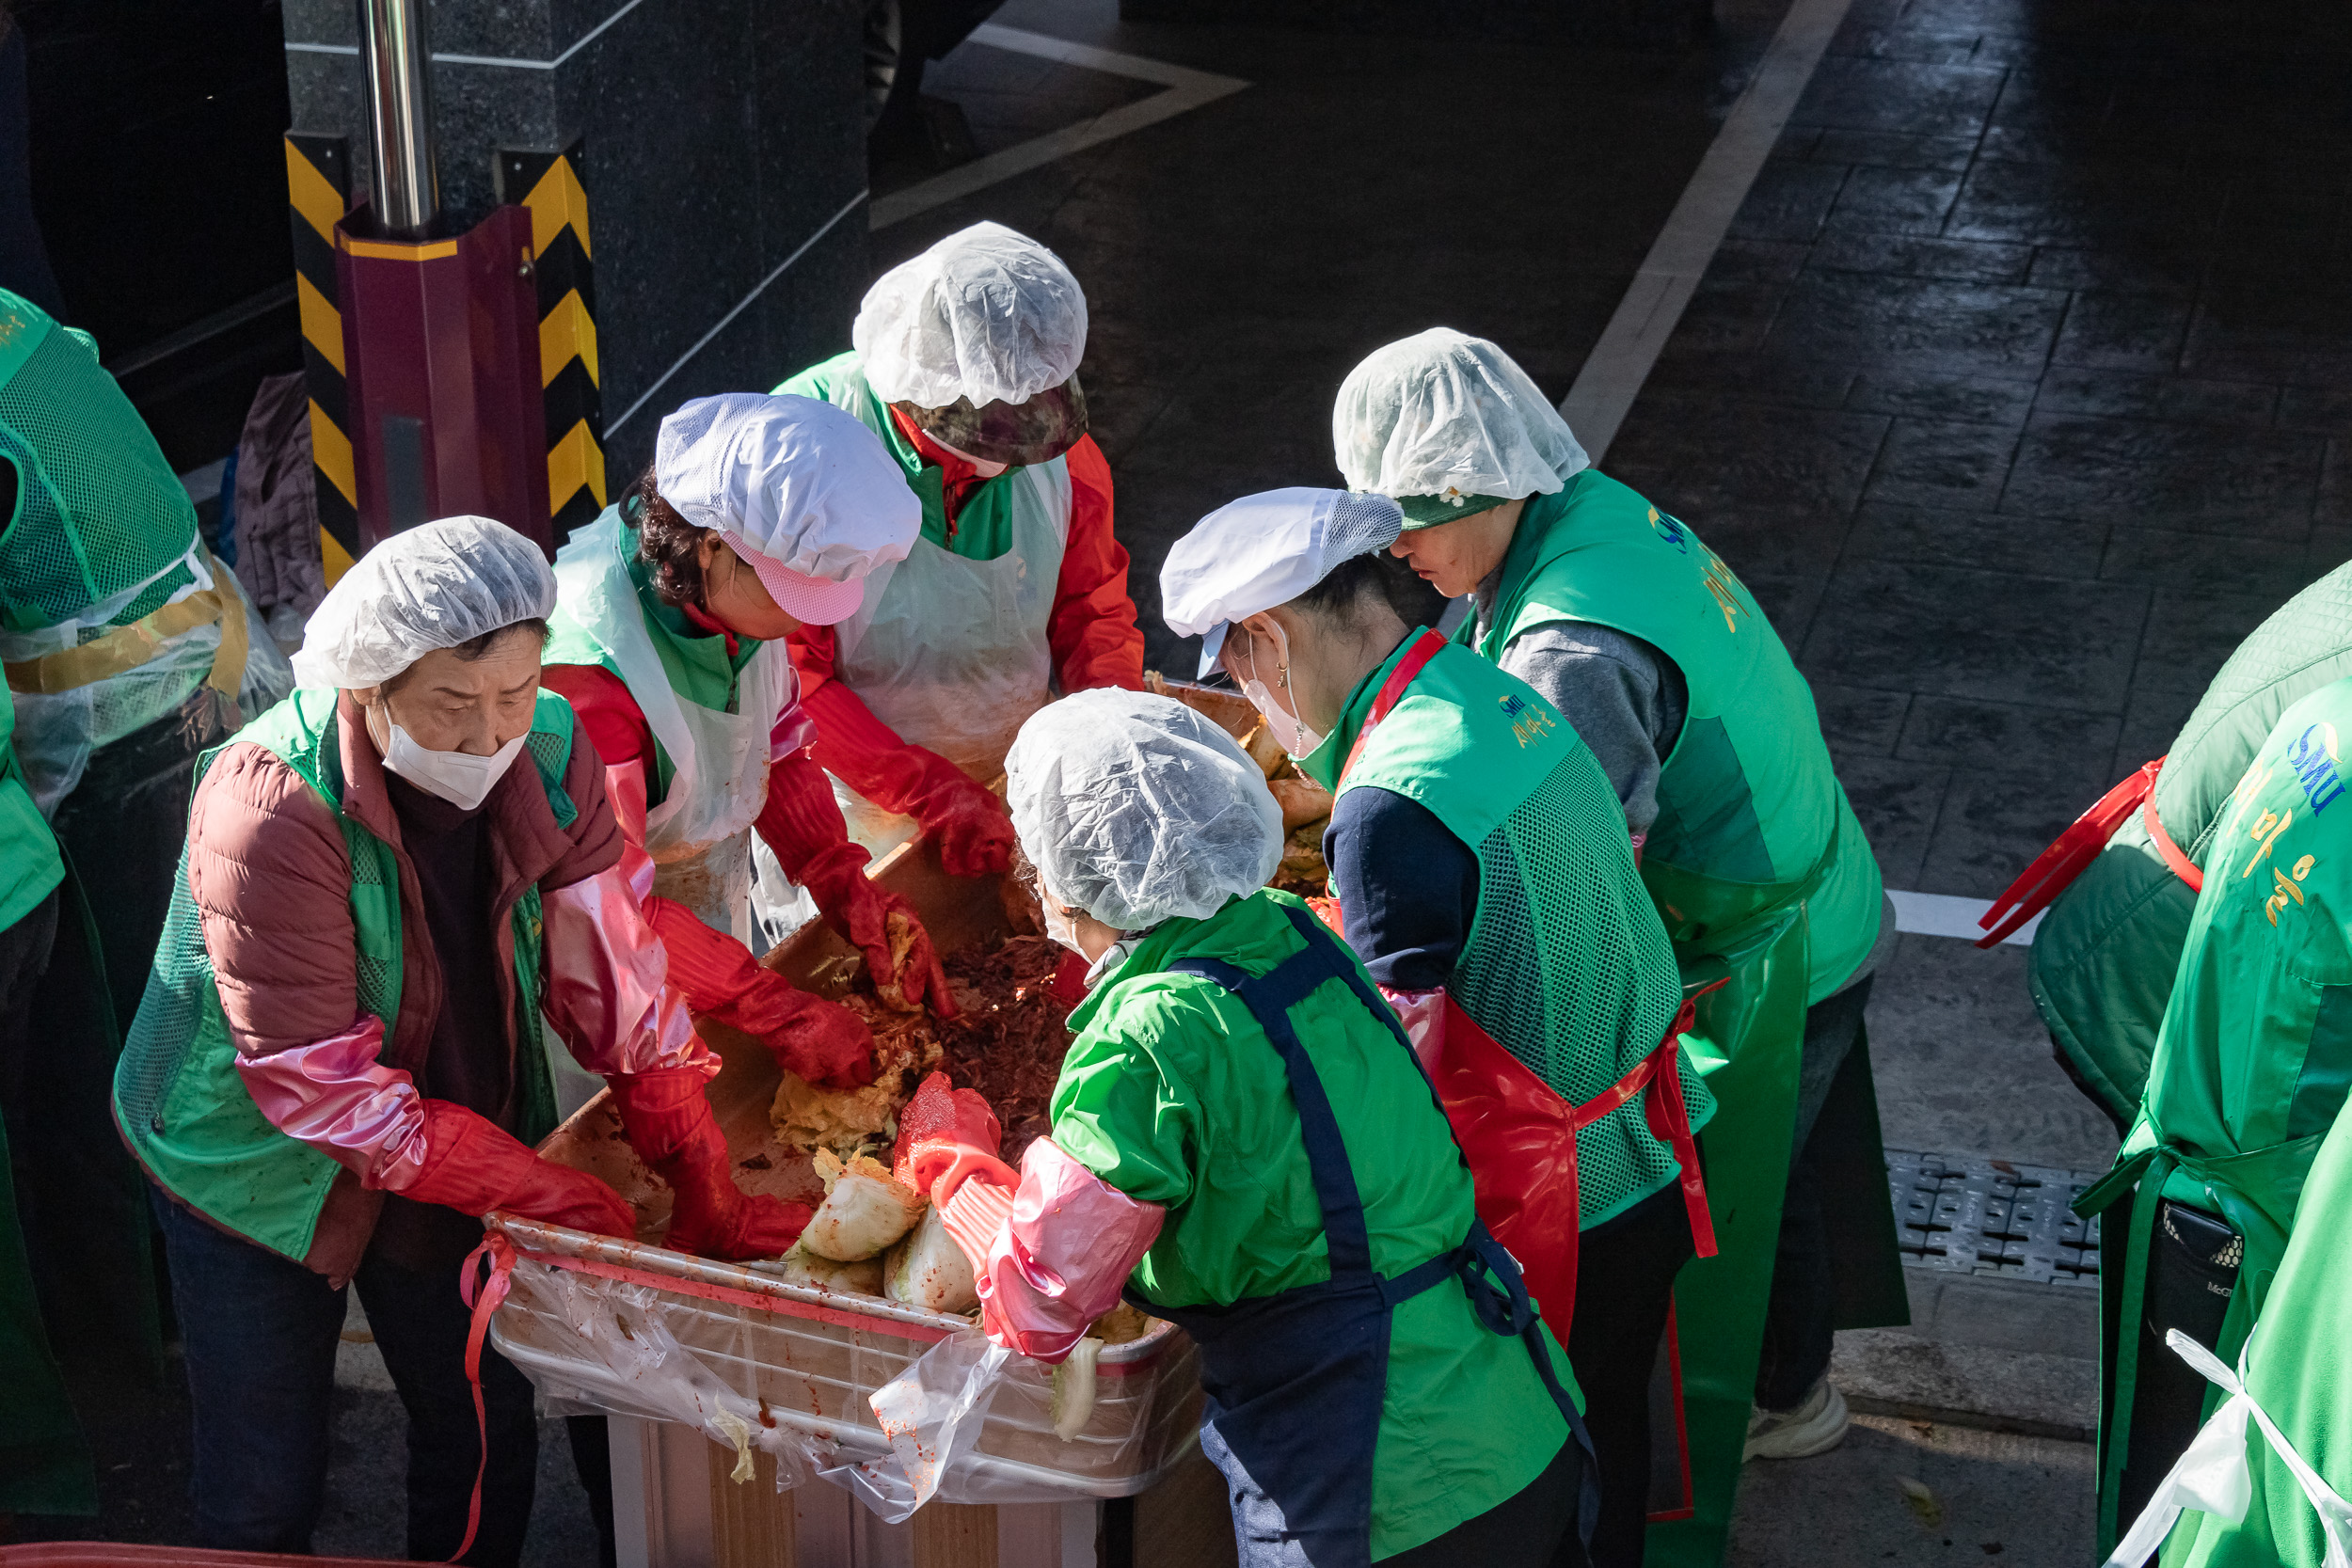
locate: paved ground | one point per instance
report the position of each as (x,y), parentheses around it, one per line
(2021,390)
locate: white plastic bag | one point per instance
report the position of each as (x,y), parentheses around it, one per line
(931,1413)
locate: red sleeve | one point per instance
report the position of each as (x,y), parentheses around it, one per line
(602,701)
(1093,631)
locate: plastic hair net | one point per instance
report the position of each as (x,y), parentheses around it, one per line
(985,314)
(434,586)
(1134,808)
(1440,414)
(800,481)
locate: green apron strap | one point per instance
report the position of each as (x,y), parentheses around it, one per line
(2115,1434)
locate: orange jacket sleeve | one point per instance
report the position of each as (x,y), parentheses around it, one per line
(1093,629)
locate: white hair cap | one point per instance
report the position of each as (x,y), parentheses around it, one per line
(986,314)
(1441,416)
(432,586)
(1135,808)
(1263,550)
(796,481)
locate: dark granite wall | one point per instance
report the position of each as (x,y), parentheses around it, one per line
(721,138)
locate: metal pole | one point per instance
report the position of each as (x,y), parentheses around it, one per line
(396,68)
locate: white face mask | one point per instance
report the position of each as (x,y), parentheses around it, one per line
(462,779)
(1061,927)
(1291,730)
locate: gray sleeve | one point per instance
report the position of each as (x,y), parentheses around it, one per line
(1625,699)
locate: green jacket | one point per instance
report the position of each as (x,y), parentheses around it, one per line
(179,1100)
(2297,1373)
(30,865)
(1172,1094)
(2254,1059)
(1751,818)
(2102,959)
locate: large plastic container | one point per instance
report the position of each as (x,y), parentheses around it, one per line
(593,1321)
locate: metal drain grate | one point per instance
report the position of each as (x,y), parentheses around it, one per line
(1991,1217)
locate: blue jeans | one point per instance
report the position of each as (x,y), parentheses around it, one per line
(261,1332)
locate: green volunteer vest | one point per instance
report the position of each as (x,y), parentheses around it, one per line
(1751,818)
(1566,965)
(2102,961)
(700,669)
(2297,1373)
(984,523)
(2254,1058)
(100,516)
(29,863)
(177,1097)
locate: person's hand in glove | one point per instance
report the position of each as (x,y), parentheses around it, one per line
(898,952)
(671,1126)
(945,1136)
(466,1163)
(971,826)
(821,1041)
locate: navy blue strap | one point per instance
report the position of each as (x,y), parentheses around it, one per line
(1269,998)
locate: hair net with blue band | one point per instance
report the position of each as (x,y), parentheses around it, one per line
(1450,425)
(1136,809)
(432,586)
(1262,550)
(986,313)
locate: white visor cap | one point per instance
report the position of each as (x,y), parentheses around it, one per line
(432,586)
(1442,414)
(1263,550)
(987,313)
(802,490)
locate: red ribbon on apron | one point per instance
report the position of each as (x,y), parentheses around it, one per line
(1517,1132)
(2055,869)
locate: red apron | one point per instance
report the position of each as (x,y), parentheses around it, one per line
(1517,1132)
(2055,869)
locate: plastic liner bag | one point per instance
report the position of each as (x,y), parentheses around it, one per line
(854,1408)
(56,732)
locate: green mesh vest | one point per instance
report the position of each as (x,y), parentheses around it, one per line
(177,1097)
(100,516)
(1751,818)
(1566,965)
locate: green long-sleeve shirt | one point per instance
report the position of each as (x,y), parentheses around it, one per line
(1172,1094)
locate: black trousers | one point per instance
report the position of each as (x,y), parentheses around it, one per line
(1800,1321)
(261,1332)
(1625,1277)
(2192,1270)
(1534,1528)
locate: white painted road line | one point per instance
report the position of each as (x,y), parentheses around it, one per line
(1187,90)
(1613,372)
(1940,914)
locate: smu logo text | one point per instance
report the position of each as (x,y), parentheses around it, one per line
(2315,762)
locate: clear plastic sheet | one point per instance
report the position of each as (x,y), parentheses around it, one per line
(960,1419)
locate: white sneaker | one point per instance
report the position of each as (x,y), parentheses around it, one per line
(1816,1426)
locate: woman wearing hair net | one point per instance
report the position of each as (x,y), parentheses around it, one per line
(965,365)
(1484,877)
(395,882)
(1665,663)
(1242,1140)
(759,515)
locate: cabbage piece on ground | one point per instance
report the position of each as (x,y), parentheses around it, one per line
(864,1210)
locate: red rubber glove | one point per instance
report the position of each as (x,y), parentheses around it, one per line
(821,1041)
(670,1127)
(968,822)
(877,922)
(945,1136)
(473,1167)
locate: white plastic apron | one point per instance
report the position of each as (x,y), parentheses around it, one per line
(700,836)
(952,652)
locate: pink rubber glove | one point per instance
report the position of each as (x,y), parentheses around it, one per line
(1052,1257)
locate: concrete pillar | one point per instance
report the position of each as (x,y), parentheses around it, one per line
(724,167)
